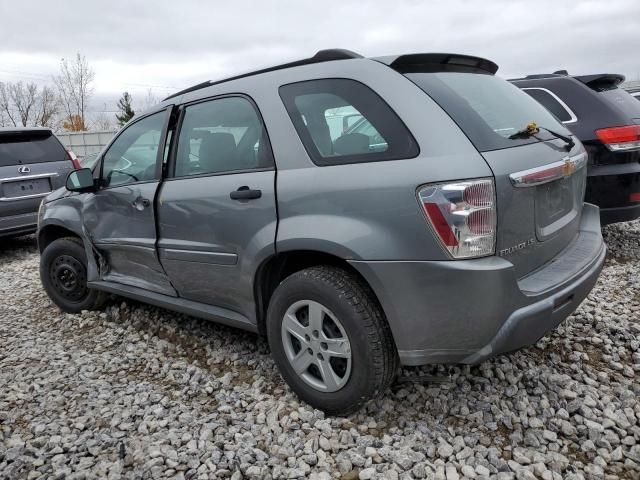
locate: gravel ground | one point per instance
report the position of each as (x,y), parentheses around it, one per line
(140,392)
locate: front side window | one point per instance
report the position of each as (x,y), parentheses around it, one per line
(551,103)
(221,135)
(132,156)
(342,121)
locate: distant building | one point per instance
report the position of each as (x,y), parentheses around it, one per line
(84,143)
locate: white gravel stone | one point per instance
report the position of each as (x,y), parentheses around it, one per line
(140,392)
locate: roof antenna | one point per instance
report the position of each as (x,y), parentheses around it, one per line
(561,72)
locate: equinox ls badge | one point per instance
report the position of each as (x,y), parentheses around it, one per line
(508,251)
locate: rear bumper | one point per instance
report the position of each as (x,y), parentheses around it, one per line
(619,214)
(610,186)
(18,224)
(469,310)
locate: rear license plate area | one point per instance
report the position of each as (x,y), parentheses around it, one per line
(26,188)
(555,207)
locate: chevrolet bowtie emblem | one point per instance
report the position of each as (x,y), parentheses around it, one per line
(568,168)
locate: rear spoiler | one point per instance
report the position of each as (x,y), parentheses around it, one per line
(601,81)
(25,132)
(438,62)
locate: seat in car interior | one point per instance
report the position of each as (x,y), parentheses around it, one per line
(351,144)
(218,152)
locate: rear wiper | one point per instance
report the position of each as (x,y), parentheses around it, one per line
(532,129)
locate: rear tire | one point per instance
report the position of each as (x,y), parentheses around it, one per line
(63,273)
(350,359)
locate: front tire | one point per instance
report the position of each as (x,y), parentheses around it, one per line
(63,273)
(330,340)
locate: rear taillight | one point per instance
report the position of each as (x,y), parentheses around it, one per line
(619,139)
(74,160)
(634,197)
(463,216)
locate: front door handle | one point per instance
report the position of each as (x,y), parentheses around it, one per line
(141,203)
(245,193)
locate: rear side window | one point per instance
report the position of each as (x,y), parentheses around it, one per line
(552,103)
(342,121)
(488,109)
(30,147)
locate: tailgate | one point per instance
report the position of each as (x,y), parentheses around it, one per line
(540,190)
(33,162)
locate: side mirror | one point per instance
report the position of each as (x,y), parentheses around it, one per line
(80,181)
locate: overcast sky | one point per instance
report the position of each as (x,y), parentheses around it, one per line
(136,45)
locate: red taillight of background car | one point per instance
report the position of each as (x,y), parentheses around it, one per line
(463,216)
(620,138)
(634,197)
(74,160)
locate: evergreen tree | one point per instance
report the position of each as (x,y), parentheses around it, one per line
(124,105)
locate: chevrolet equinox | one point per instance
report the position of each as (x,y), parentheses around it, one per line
(362,213)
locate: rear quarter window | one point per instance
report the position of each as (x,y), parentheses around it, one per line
(342,121)
(551,102)
(27,148)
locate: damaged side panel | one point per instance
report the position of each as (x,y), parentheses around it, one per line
(120,224)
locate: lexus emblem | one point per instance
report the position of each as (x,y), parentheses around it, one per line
(24,170)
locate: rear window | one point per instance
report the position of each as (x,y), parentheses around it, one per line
(552,103)
(623,101)
(487,108)
(342,121)
(29,147)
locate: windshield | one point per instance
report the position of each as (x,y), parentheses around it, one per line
(487,108)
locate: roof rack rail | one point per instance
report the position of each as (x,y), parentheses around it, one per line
(320,56)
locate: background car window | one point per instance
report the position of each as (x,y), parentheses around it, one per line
(30,147)
(550,103)
(221,136)
(132,156)
(343,121)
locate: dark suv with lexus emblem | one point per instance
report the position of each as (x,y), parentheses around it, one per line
(33,162)
(360,212)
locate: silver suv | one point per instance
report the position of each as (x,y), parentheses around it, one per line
(361,213)
(33,162)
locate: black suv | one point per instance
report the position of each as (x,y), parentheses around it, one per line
(606,119)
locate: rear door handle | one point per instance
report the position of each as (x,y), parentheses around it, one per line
(245,193)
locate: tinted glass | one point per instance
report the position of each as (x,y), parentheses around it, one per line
(26,148)
(623,101)
(343,121)
(89,160)
(550,103)
(487,108)
(132,156)
(221,135)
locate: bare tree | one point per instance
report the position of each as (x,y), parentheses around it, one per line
(74,88)
(47,107)
(27,105)
(24,99)
(149,101)
(6,106)
(102,121)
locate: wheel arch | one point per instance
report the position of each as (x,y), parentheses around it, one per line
(51,232)
(281,265)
